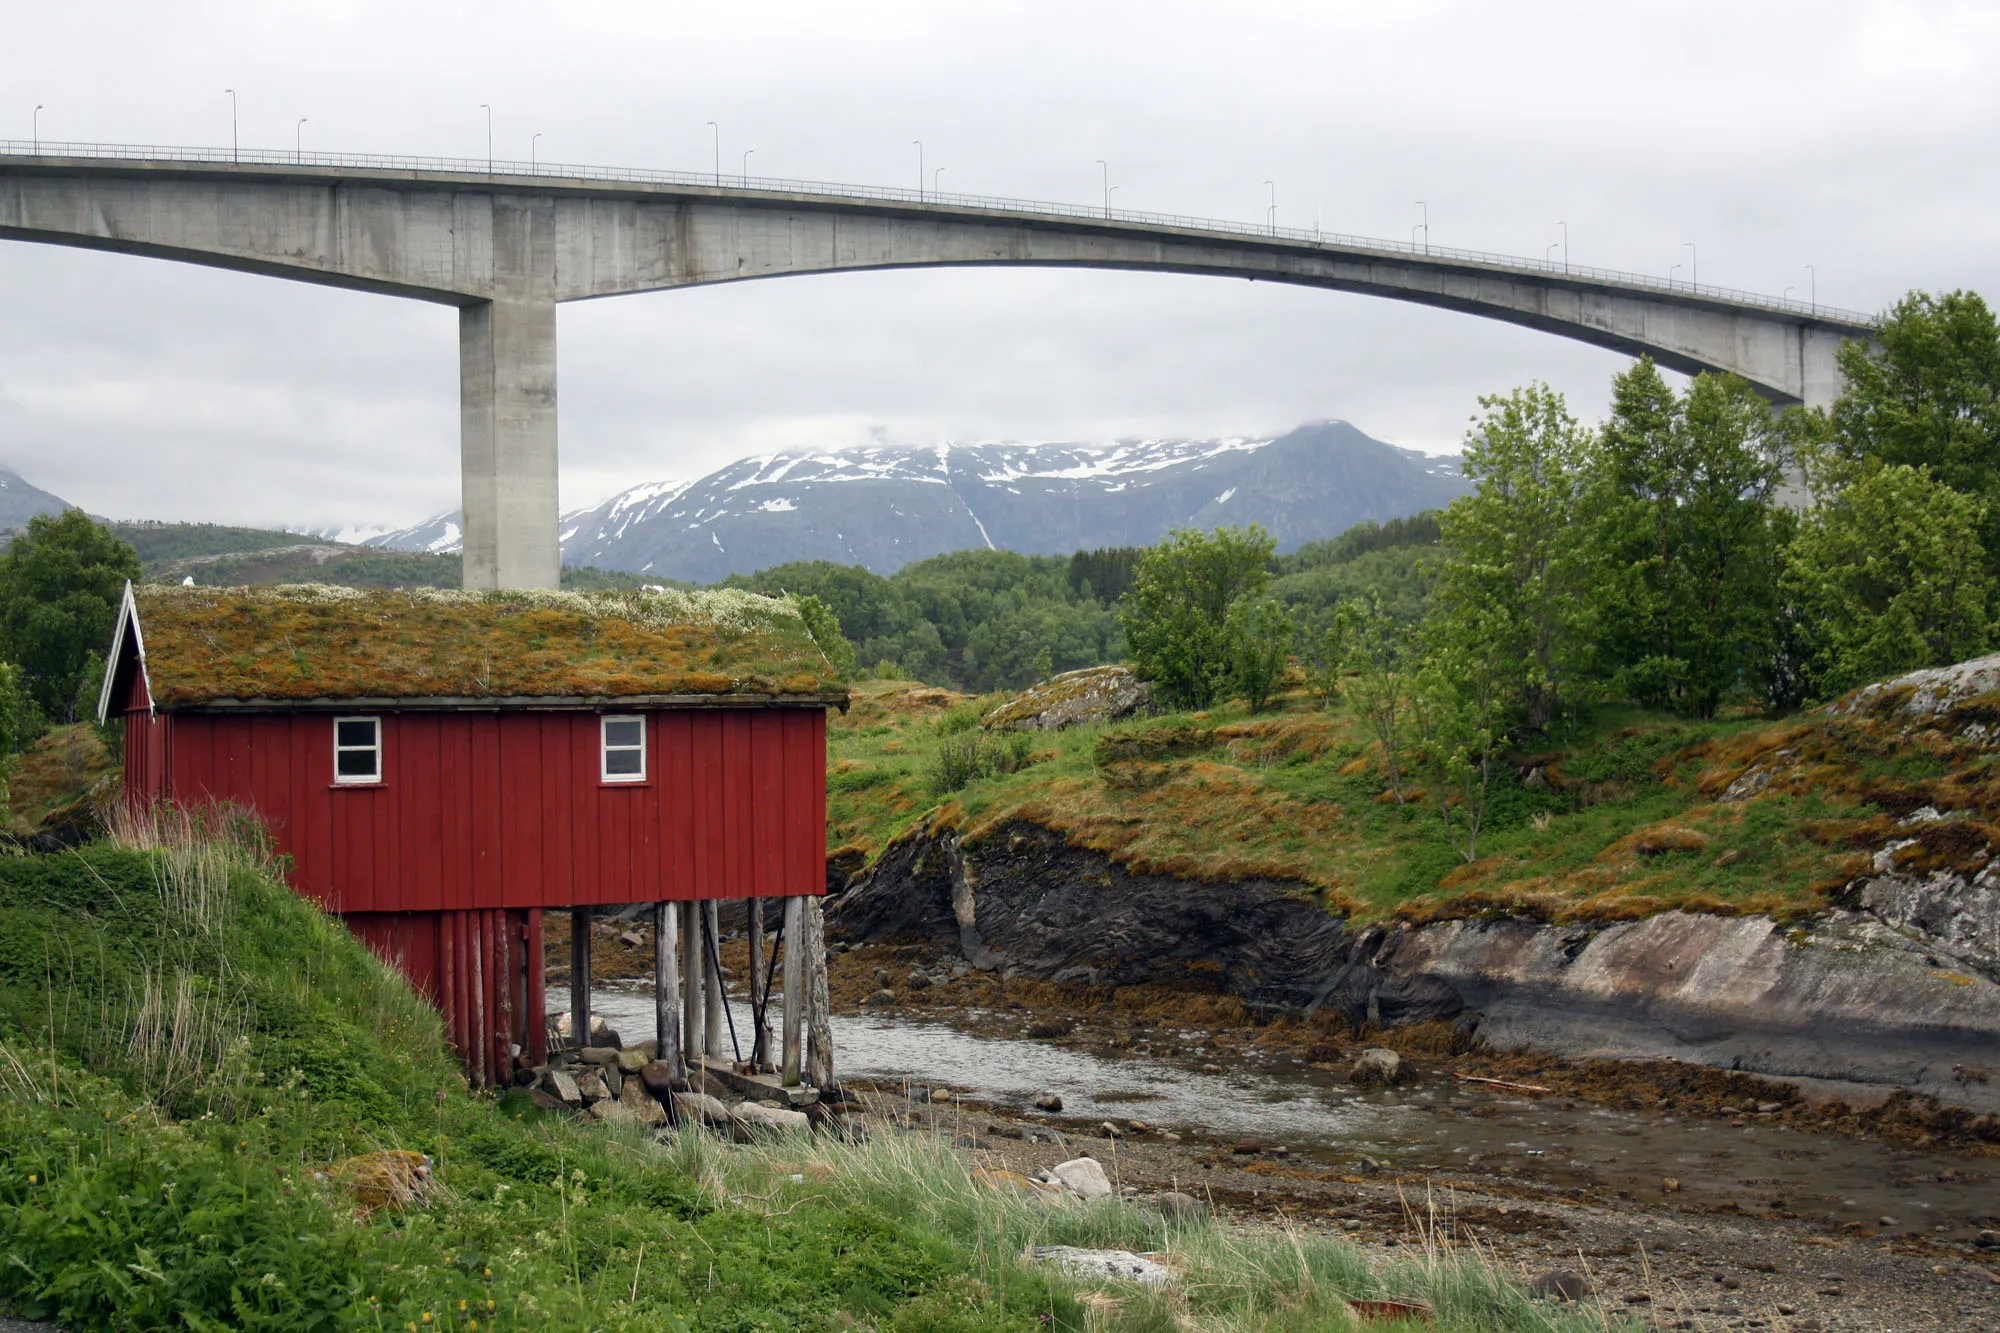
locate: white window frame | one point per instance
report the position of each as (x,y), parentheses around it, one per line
(357,779)
(604,748)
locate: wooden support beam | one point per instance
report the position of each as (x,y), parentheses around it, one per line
(760,1020)
(819,1008)
(713,1016)
(694,989)
(538,992)
(579,975)
(482,1046)
(667,988)
(794,988)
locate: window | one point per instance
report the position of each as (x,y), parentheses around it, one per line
(357,749)
(624,749)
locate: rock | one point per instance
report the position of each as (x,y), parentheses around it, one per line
(634,1058)
(1110,1131)
(758,1119)
(591,1086)
(563,1026)
(1378,1067)
(1560,1285)
(699,1108)
(614,1081)
(562,1087)
(1111,1265)
(611,1112)
(1670,1185)
(1040,1134)
(1987,1240)
(544,1102)
(659,1078)
(1365,1165)
(917,981)
(642,1104)
(1010,1182)
(882,997)
(965,1141)
(941,1094)
(1211,1069)
(1178,1207)
(1084,1176)
(1074,698)
(598,1055)
(882,978)
(1049,1029)
(1048,1101)
(631,938)
(1885,1221)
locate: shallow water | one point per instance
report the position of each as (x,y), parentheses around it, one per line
(1440,1128)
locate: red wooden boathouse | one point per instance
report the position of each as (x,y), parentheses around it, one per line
(442,767)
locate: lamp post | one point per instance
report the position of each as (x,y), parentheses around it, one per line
(38,129)
(1812,280)
(718,151)
(489,136)
(745,175)
(1425,224)
(1786,295)
(1671,269)
(1102,166)
(1548,250)
(920,168)
(1565,227)
(299,141)
(935,173)
(1694,265)
(531,149)
(1271,214)
(234,153)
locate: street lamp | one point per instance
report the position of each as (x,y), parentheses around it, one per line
(1548,250)
(1271,215)
(38,129)
(718,151)
(1565,227)
(1107,185)
(489,136)
(920,168)
(299,141)
(1670,273)
(1694,265)
(234,155)
(531,149)
(1812,279)
(746,167)
(1786,295)
(935,173)
(1425,224)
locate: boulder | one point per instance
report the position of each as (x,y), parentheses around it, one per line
(757,1119)
(1083,1176)
(699,1108)
(1560,1285)
(614,1082)
(1075,698)
(634,1058)
(598,1056)
(1178,1207)
(1111,1265)
(644,1107)
(558,1084)
(659,1078)
(1048,1101)
(611,1112)
(591,1086)
(1378,1067)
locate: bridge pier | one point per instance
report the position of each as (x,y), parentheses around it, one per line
(507,444)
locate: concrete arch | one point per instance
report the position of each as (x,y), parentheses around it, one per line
(507,250)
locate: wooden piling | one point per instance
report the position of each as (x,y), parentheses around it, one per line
(667,988)
(694,989)
(760,1036)
(712,1015)
(794,988)
(819,1017)
(538,991)
(579,975)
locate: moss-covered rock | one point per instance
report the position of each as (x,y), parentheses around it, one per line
(1075,698)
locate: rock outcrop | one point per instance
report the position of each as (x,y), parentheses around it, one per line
(1075,698)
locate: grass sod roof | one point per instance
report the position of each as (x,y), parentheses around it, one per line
(313,641)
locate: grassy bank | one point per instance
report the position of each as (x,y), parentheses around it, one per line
(1622,814)
(187,1053)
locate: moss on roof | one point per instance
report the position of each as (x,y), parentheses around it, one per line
(312,641)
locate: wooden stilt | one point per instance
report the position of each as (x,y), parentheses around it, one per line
(819,1018)
(760,1035)
(712,1041)
(538,992)
(579,976)
(506,985)
(794,987)
(482,1044)
(694,986)
(667,987)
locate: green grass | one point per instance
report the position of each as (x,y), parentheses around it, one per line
(184,1045)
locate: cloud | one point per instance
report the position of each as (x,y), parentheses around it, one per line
(1772,136)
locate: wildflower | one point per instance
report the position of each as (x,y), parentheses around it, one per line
(427,1316)
(461,1305)
(32,1179)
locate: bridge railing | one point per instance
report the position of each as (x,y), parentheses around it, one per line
(553,173)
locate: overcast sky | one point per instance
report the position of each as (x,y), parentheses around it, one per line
(1856,137)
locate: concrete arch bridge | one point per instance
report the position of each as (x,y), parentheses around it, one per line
(507,242)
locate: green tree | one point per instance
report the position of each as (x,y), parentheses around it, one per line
(1457,714)
(1926,393)
(1689,587)
(1260,638)
(1890,576)
(824,627)
(1176,615)
(1521,584)
(1375,647)
(60,584)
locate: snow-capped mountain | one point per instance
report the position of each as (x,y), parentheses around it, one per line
(21,501)
(886,506)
